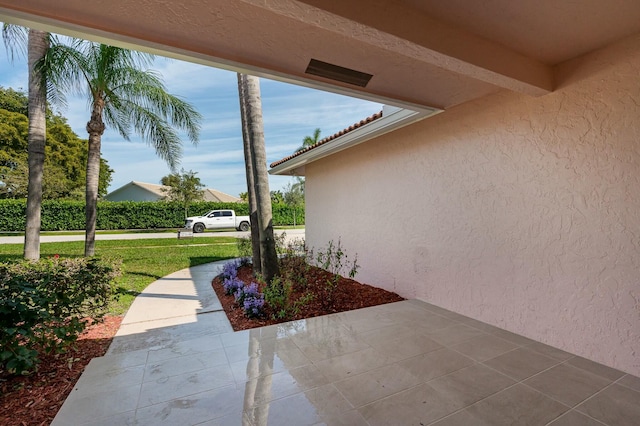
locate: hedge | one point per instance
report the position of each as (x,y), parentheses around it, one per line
(69,215)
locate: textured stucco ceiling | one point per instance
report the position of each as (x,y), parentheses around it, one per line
(420,53)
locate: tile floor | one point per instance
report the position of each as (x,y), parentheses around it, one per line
(406,363)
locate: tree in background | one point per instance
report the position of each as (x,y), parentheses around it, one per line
(277,197)
(65,154)
(184,187)
(310,140)
(38,43)
(124,95)
(294,196)
(253,136)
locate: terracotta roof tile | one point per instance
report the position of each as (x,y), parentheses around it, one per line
(329,138)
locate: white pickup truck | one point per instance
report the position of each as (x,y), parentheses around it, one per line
(217,219)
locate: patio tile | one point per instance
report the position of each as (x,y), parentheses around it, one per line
(595,368)
(521,363)
(265,389)
(455,334)
(113,362)
(405,347)
(437,398)
(268,363)
(567,384)
(616,405)
(437,310)
(228,420)
(194,409)
(479,325)
(83,409)
(276,331)
(419,405)
(512,337)
(348,365)
(182,385)
(332,347)
(249,349)
(484,347)
(631,382)
(419,317)
(113,379)
(184,364)
(470,384)
(188,347)
(361,321)
(306,408)
(121,419)
(154,335)
(549,351)
(518,405)
(435,364)
(574,418)
(376,384)
(387,332)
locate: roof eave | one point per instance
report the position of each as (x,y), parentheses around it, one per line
(393,118)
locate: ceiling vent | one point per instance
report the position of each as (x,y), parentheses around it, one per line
(338,73)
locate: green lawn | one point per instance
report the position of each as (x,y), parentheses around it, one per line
(143,261)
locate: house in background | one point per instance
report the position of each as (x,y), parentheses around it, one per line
(141,191)
(517,205)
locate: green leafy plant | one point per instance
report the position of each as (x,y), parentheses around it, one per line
(244,249)
(334,260)
(277,295)
(294,266)
(45,305)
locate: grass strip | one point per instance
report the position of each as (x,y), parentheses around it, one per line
(143,261)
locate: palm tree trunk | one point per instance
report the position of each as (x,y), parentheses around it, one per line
(251,194)
(37,48)
(253,106)
(95,127)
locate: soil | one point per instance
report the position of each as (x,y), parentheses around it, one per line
(349,295)
(35,399)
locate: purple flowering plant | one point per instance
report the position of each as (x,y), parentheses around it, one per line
(250,298)
(230,269)
(232,285)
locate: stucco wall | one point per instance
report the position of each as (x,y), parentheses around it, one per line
(522,212)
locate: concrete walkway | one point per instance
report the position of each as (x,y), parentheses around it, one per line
(175,361)
(172,327)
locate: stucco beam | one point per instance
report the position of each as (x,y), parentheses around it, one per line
(407,31)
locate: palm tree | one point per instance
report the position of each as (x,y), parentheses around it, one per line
(310,140)
(124,96)
(251,188)
(249,92)
(37,47)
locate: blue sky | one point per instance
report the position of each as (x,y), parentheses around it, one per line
(289,112)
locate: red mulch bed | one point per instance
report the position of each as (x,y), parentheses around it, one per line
(348,295)
(35,399)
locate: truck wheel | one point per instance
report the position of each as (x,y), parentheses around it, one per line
(244,226)
(198,227)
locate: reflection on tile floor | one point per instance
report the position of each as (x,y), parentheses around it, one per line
(406,363)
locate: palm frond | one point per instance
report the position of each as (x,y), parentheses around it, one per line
(15,40)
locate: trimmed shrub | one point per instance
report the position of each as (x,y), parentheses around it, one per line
(69,215)
(45,305)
